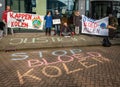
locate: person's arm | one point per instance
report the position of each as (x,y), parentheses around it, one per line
(80,17)
(74,20)
(111,27)
(45,18)
(3,17)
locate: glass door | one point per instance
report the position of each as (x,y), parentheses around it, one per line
(16,5)
(101,9)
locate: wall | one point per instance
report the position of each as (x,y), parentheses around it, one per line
(41,7)
(2,7)
(82,7)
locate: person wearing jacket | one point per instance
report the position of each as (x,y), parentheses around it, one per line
(5,20)
(48,23)
(77,21)
(57,26)
(65,30)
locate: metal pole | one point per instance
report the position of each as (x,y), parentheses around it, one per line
(19,9)
(19,6)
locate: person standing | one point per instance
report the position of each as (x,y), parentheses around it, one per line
(4,19)
(57,26)
(77,22)
(112,26)
(48,23)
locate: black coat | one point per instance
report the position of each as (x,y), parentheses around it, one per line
(1,25)
(65,29)
(77,20)
(57,16)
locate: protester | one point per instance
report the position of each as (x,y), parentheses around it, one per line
(2,25)
(77,22)
(48,23)
(112,26)
(64,19)
(4,19)
(113,23)
(57,26)
(65,30)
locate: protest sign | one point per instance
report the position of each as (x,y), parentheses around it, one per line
(95,27)
(25,20)
(56,21)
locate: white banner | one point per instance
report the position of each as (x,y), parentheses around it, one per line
(25,20)
(95,27)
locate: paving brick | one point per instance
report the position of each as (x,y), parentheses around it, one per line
(61,74)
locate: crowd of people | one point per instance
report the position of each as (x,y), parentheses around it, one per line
(63,27)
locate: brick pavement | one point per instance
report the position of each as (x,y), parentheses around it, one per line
(24,41)
(70,67)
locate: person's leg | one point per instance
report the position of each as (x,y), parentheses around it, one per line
(12,31)
(76,29)
(46,30)
(49,31)
(5,30)
(111,33)
(1,34)
(106,42)
(58,31)
(55,30)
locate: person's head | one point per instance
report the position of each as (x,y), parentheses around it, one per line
(48,13)
(110,15)
(65,24)
(56,12)
(7,7)
(77,13)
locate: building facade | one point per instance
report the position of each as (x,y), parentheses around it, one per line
(94,8)
(102,8)
(2,7)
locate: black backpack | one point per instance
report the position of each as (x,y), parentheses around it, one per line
(106,42)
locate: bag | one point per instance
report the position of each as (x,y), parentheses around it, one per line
(106,42)
(77,30)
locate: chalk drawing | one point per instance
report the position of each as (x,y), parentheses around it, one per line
(21,56)
(16,41)
(52,67)
(81,57)
(68,71)
(74,39)
(26,40)
(86,65)
(75,51)
(41,40)
(26,75)
(83,39)
(64,60)
(56,53)
(34,63)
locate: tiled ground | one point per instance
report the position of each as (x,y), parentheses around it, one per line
(64,67)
